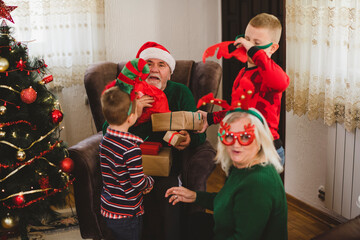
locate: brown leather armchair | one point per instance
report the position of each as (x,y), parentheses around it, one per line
(201,78)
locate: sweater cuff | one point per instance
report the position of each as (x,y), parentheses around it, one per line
(251,52)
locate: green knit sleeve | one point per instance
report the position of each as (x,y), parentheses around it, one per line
(205,199)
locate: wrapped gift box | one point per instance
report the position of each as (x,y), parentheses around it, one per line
(158,165)
(150,148)
(181,120)
(173,138)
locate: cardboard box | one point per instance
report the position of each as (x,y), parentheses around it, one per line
(180,120)
(158,165)
(173,138)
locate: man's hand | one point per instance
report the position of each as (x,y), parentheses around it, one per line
(205,125)
(142,102)
(184,144)
(243,42)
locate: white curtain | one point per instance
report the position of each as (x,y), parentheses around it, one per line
(67,34)
(323,60)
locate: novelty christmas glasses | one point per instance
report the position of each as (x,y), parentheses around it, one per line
(244,137)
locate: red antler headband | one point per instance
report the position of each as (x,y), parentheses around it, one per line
(240,103)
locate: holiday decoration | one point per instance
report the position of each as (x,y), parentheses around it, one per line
(9,221)
(174,138)
(4,64)
(20,155)
(223,51)
(67,165)
(34,164)
(2,110)
(56,116)
(5,11)
(19,200)
(28,95)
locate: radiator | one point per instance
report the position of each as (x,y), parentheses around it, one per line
(343,172)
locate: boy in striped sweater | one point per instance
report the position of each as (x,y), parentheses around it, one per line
(124,182)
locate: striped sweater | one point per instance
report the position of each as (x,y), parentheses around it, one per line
(122,175)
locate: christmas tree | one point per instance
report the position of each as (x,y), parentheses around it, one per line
(34,164)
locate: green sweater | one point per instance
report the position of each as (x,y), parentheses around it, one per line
(251,205)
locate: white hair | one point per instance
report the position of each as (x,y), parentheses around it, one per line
(264,139)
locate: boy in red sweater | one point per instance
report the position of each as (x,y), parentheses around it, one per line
(261,39)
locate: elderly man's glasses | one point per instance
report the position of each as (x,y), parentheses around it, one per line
(244,137)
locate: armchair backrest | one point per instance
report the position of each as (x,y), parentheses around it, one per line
(201,78)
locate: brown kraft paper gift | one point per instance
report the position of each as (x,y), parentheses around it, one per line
(158,165)
(180,120)
(173,138)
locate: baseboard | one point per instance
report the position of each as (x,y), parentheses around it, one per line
(313,212)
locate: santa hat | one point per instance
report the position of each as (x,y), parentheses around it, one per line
(155,50)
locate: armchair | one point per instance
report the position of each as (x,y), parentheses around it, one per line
(198,164)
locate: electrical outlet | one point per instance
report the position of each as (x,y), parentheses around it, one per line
(321,192)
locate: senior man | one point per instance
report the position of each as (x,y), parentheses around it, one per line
(161,219)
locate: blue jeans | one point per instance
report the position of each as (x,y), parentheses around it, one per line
(125,228)
(281,153)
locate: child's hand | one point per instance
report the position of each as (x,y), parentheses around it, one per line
(142,102)
(205,125)
(147,190)
(244,43)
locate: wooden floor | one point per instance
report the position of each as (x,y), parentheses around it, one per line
(301,225)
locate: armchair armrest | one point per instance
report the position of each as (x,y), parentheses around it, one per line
(87,187)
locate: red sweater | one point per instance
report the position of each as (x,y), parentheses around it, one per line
(270,82)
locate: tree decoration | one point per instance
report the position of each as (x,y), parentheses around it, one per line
(56,116)
(67,165)
(5,11)
(46,79)
(32,166)
(19,199)
(4,64)
(20,155)
(28,95)
(21,64)
(9,221)
(2,110)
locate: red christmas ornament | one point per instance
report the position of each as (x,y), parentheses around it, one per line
(47,79)
(28,95)
(56,116)
(19,200)
(5,11)
(21,64)
(67,165)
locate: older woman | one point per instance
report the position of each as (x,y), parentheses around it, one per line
(252,203)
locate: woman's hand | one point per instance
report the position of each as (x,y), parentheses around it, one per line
(180,194)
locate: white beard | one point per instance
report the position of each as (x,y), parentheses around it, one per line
(154,82)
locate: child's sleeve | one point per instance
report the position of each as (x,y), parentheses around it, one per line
(134,165)
(272,74)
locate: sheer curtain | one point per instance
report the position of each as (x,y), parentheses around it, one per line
(323,60)
(68,35)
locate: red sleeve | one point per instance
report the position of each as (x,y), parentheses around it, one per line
(218,116)
(273,75)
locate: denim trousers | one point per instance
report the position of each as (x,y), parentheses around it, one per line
(125,228)
(281,153)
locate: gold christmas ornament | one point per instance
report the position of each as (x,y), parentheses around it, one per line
(4,64)
(2,110)
(2,134)
(20,155)
(9,222)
